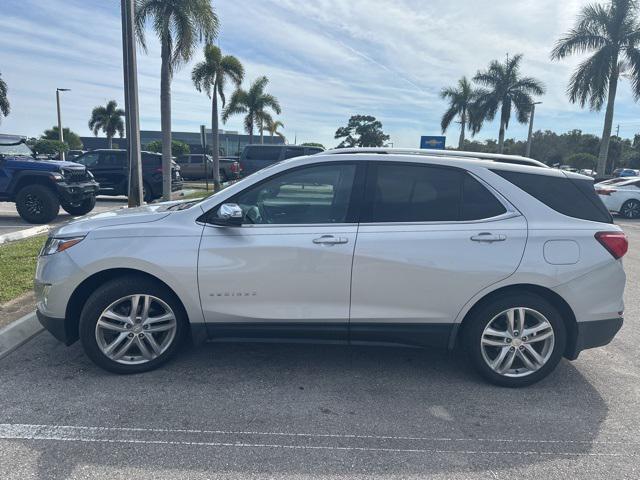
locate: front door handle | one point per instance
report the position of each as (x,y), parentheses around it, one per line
(488,237)
(330,240)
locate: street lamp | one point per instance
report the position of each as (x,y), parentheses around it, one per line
(60,134)
(533,111)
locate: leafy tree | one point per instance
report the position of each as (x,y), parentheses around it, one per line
(71,138)
(180,25)
(582,160)
(362,131)
(5,108)
(109,119)
(253,104)
(612,33)
(504,89)
(45,146)
(461,105)
(272,127)
(312,144)
(178,147)
(211,76)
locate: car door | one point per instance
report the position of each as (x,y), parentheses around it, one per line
(431,237)
(113,170)
(287,269)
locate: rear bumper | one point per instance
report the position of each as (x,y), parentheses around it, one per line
(60,328)
(593,334)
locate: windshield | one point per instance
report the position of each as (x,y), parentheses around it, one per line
(21,149)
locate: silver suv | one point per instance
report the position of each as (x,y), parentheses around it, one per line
(516,263)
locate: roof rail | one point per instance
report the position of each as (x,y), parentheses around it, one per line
(495,157)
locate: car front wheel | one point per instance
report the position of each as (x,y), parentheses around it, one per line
(516,340)
(37,203)
(630,209)
(82,208)
(131,325)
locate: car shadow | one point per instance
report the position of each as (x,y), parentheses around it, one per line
(295,409)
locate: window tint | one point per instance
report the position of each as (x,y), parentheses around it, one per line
(572,197)
(111,159)
(268,154)
(151,159)
(88,160)
(318,194)
(477,201)
(182,159)
(313,150)
(415,193)
(291,152)
(196,159)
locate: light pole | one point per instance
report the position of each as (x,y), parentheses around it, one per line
(533,112)
(60,134)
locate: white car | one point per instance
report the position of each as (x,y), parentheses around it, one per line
(621,197)
(517,263)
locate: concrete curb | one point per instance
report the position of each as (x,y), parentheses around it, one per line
(18,333)
(22,234)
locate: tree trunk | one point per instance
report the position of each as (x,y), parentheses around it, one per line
(261,132)
(608,122)
(251,133)
(165,120)
(215,143)
(463,125)
(501,136)
(109,143)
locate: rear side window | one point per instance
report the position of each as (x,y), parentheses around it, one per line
(151,160)
(478,202)
(268,154)
(572,197)
(291,152)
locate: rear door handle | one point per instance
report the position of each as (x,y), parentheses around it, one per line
(330,240)
(488,237)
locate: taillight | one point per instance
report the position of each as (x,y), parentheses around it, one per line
(235,167)
(616,243)
(605,191)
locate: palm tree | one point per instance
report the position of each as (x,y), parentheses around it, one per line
(109,120)
(505,89)
(180,26)
(612,32)
(253,103)
(5,108)
(272,127)
(211,76)
(461,105)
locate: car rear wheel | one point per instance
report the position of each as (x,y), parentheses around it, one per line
(516,340)
(147,193)
(630,209)
(37,203)
(82,208)
(131,325)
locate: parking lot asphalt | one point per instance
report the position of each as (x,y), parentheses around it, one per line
(11,222)
(242,411)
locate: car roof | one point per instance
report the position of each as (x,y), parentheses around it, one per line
(494,157)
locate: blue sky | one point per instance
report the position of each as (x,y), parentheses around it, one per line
(326,60)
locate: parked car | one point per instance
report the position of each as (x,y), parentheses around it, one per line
(614,181)
(71,154)
(518,264)
(587,171)
(621,197)
(111,169)
(626,172)
(40,187)
(256,157)
(192,167)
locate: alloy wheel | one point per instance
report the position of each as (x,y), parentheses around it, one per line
(631,209)
(136,329)
(33,204)
(517,342)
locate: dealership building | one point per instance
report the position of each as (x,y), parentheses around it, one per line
(231,142)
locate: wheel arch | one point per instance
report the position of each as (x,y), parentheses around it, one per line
(552,297)
(24,179)
(81,293)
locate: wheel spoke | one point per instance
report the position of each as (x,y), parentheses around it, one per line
(114,327)
(144,350)
(110,314)
(528,332)
(162,318)
(506,365)
(112,346)
(492,332)
(154,345)
(539,361)
(511,321)
(160,328)
(520,317)
(527,362)
(135,301)
(125,348)
(540,337)
(500,358)
(489,342)
(145,308)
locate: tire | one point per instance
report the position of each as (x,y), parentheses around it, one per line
(115,297)
(37,203)
(549,348)
(147,193)
(83,208)
(630,209)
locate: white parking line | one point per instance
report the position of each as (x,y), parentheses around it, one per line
(66,433)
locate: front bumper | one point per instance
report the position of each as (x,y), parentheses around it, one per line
(596,333)
(76,192)
(60,328)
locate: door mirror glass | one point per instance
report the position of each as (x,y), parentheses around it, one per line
(229,214)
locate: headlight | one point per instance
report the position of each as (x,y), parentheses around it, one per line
(56,245)
(56,176)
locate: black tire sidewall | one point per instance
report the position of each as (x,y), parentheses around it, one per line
(147,192)
(102,297)
(477,323)
(47,196)
(85,206)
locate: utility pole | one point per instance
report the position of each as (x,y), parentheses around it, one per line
(530,137)
(203,143)
(618,131)
(60,133)
(131,100)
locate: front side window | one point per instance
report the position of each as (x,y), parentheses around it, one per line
(292,152)
(267,154)
(88,160)
(310,195)
(196,159)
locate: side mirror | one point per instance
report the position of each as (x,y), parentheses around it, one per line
(229,214)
